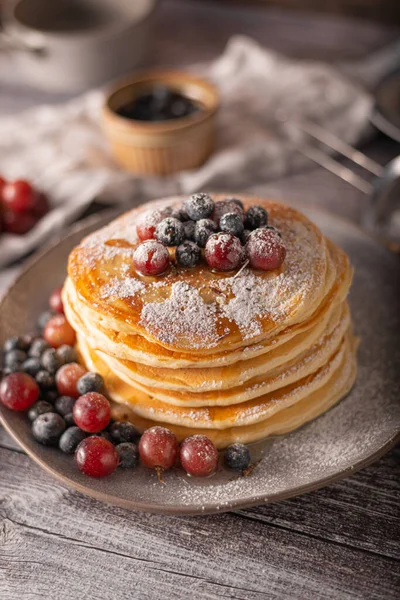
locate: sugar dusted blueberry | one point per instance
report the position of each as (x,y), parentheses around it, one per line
(256,217)
(14,358)
(188,228)
(90,382)
(237,457)
(202,231)
(47,428)
(170,232)
(39,408)
(199,206)
(123,431)
(128,455)
(236,201)
(223,207)
(64,405)
(31,366)
(50,360)
(45,380)
(38,347)
(70,439)
(66,354)
(188,254)
(231,223)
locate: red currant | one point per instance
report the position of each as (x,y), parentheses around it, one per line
(67,378)
(18,223)
(19,196)
(158,448)
(96,456)
(265,249)
(147,223)
(19,391)
(55,301)
(92,412)
(41,207)
(151,258)
(59,332)
(223,251)
(226,206)
(199,456)
(2,184)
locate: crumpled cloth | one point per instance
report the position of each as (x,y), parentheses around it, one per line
(62,149)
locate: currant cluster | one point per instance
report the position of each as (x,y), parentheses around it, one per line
(229,236)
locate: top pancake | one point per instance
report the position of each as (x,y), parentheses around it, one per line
(196,309)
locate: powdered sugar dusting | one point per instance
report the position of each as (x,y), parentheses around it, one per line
(183,315)
(122,288)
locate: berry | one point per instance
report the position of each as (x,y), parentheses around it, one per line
(50,360)
(265,250)
(199,456)
(38,347)
(188,254)
(92,412)
(151,258)
(55,301)
(245,236)
(31,366)
(19,196)
(128,455)
(14,369)
(237,456)
(39,408)
(158,448)
(202,231)
(274,229)
(14,358)
(69,420)
(123,431)
(22,342)
(47,428)
(59,332)
(170,232)
(256,217)
(223,207)
(236,201)
(90,382)
(178,213)
(96,456)
(41,207)
(51,396)
(66,354)
(70,439)
(223,252)
(64,405)
(45,318)
(188,229)
(67,378)
(199,206)
(231,223)
(18,223)
(45,380)
(105,435)
(18,391)
(147,223)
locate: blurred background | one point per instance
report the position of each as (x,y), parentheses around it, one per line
(278,67)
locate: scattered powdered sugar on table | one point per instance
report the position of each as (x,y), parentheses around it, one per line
(122,288)
(183,315)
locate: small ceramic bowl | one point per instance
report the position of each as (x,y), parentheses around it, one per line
(161,147)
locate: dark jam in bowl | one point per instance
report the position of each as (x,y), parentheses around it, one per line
(160,103)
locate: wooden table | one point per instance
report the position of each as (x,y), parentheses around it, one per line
(338,542)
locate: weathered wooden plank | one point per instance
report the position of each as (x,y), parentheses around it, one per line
(77,540)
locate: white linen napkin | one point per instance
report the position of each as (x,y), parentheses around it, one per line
(62,149)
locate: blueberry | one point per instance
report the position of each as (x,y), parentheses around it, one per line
(237,457)
(70,439)
(245,236)
(45,380)
(128,455)
(188,228)
(66,354)
(39,408)
(106,435)
(44,318)
(69,419)
(38,347)
(177,213)
(237,201)
(231,223)
(123,431)
(256,217)
(188,254)
(202,231)
(64,405)
(17,343)
(199,206)
(14,358)
(31,366)
(14,369)
(170,232)
(51,396)
(47,428)
(50,360)
(90,382)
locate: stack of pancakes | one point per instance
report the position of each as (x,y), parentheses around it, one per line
(237,356)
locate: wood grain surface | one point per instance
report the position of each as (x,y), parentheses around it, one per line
(340,542)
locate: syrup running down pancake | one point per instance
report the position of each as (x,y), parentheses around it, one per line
(237,355)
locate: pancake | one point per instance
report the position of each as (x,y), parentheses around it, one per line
(238,355)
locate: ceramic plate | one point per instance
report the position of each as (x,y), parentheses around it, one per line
(352,434)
